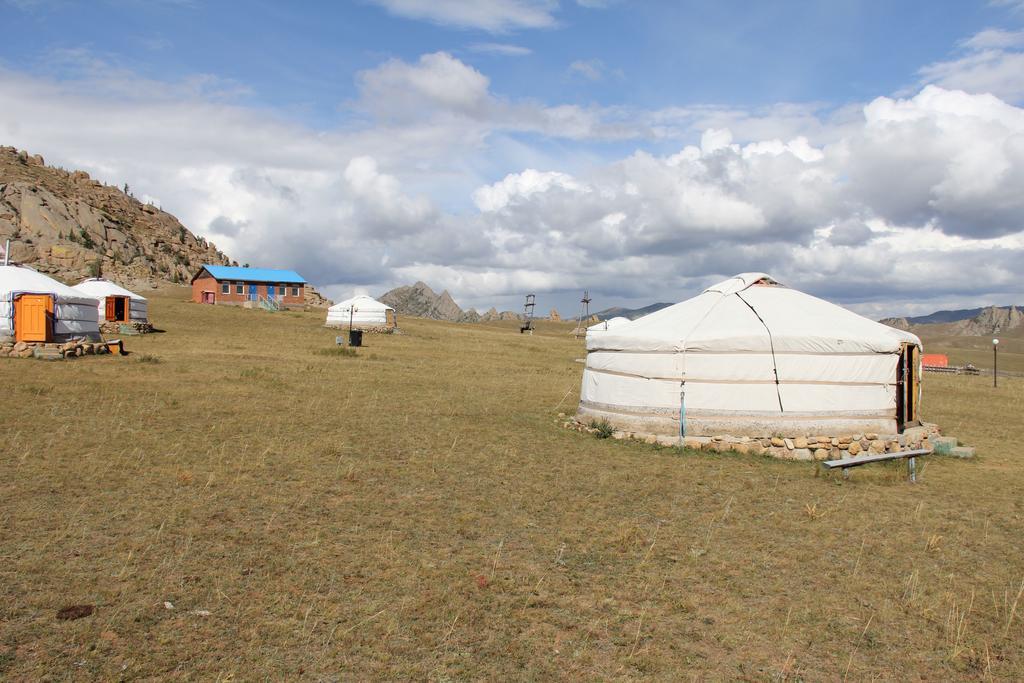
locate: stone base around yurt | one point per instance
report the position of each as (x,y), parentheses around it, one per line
(821,447)
(52,351)
(114,327)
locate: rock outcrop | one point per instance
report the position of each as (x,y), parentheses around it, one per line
(898,323)
(420,301)
(990,321)
(70,226)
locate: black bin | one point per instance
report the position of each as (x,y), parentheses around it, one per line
(355,337)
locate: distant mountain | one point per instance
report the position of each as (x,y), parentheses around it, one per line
(970,322)
(631,313)
(953,316)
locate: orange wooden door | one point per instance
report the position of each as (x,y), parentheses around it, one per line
(111,312)
(32,317)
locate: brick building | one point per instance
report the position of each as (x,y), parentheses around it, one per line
(237,286)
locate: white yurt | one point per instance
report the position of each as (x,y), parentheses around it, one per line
(116,304)
(751,357)
(364,313)
(37,308)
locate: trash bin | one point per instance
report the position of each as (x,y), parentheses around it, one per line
(355,337)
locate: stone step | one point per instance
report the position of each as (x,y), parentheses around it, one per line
(943,445)
(962,452)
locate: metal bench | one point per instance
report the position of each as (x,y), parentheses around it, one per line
(845,463)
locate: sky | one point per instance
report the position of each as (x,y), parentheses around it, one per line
(869,152)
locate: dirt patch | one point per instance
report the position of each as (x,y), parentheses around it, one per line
(75,612)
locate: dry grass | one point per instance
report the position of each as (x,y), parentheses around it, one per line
(415,512)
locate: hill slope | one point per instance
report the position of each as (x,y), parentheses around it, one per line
(67,225)
(631,313)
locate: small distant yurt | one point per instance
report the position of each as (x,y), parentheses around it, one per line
(752,357)
(37,308)
(364,313)
(116,304)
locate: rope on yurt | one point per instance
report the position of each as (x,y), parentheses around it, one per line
(771,343)
(682,411)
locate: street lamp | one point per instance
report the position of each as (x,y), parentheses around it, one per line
(995,363)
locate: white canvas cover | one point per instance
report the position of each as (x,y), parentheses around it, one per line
(746,356)
(368,312)
(74,313)
(100,289)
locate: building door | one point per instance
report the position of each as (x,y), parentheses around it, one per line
(33,318)
(270,291)
(208,297)
(252,293)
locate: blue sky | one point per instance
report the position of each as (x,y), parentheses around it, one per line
(300,57)
(492,147)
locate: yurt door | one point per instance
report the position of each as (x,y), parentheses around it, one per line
(908,386)
(111,308)
(33,318)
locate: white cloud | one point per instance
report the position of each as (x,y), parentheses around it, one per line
(592,70)
(904,199)
(991,62)
(504,49)
(489,15)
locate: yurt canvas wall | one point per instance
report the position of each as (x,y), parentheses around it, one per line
(34,305)
(364,312)
(111,298)
(750,357)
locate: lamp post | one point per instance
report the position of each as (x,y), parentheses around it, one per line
(995,363)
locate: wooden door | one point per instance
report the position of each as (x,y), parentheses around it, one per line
(913,364)
(111,308)
(252,293)
(389,318)
(33,318)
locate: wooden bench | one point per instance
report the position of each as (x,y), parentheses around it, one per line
(845,463)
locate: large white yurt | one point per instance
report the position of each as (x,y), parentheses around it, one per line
(116,304)
(37,308)
(364,313)
(751,357)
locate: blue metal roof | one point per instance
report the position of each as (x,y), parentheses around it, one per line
(254,274)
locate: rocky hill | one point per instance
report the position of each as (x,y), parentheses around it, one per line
(420,301)
(69,226)
(990,321)
(982,321)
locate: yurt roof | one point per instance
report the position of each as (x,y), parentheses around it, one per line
(753,312)
(98,287)
(24,280)
(362,303)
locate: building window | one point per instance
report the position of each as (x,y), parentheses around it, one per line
(238,288)
(225,288)
(281,290)
(295,291)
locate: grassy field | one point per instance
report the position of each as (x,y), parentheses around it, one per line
(237,501)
